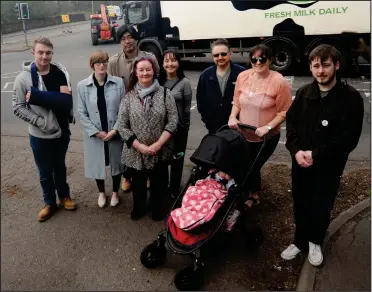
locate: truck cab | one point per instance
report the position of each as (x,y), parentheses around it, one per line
(155,31)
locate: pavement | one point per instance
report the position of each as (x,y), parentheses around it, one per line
(98,249)
(347,254)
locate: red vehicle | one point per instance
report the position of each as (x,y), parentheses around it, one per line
(102,28)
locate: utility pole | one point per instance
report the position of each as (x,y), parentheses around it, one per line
(60,13)
(92,7)
(23,13)
(25,30)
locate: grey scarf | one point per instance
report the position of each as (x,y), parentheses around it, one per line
(145,94)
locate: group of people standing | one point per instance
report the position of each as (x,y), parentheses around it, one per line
(136,117)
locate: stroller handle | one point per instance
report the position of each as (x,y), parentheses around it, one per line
(244,126)
(240,125)
(247,127)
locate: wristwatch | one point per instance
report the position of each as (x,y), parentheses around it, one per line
(269,127)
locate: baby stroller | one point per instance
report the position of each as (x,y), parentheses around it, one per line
(226,150)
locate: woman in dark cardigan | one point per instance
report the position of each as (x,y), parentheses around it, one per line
(172,77)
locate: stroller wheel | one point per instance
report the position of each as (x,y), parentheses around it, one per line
(254,237)
(154,254)
(190,278)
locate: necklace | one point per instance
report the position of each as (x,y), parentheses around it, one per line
(258,84)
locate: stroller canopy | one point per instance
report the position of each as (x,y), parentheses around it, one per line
(225,150)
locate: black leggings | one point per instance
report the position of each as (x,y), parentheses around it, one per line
(158,188)
(180,143)
(115,184)
(254,182)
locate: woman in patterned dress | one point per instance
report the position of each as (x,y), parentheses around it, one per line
(146,121)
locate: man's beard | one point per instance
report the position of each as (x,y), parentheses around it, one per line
(330,79)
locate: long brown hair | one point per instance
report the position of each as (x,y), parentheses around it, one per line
(133,79)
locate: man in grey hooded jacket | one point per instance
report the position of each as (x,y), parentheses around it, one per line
(42,98)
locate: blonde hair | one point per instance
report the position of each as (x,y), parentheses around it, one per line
(98,56)
(43,41)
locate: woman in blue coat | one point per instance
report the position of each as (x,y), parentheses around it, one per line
(99,98)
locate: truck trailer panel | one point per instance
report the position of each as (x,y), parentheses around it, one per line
(220,19)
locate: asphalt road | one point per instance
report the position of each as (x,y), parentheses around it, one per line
(94,249)
(49,31)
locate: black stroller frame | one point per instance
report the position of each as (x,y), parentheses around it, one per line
(154,254)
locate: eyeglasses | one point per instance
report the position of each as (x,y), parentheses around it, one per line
(101,63)
(223,54)
(262,60)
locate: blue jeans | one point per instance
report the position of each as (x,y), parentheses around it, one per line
(50,155)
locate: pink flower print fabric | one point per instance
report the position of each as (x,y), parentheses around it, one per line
(199,204)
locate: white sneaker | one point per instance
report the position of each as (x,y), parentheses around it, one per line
(315,254)
(101,201)
(114,201)
(290,252)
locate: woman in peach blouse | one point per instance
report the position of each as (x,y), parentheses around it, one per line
(261,99)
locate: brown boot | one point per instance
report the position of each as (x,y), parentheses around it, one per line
(126,185)
(68,204)
(46,212)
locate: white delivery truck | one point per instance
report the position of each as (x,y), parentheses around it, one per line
(291,28)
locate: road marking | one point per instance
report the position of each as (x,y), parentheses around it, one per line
(6,90)
(193,107)
(282,142)
(8,77)
(3,74)
(6,84)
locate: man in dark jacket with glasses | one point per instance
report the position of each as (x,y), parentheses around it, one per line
(216,87)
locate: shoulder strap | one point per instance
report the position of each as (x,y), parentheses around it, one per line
(34,77)
(174,85)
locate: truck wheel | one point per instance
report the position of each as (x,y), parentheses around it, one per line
(152,49)
(94,39)
(283,56)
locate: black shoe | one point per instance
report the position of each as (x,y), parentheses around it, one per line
(136,215)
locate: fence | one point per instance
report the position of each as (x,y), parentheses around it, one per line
(38,23)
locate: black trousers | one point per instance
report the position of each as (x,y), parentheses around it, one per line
(115,184)
(254,181)
(180,142)
(314,191)
(158,188)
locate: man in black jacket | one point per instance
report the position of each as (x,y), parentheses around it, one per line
(324,125)
(216,86)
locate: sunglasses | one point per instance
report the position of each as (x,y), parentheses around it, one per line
(223,54)
(261,59)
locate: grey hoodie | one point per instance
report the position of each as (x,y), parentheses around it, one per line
(42,122)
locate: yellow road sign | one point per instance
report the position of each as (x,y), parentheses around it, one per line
(65,18)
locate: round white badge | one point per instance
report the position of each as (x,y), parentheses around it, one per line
(325,123)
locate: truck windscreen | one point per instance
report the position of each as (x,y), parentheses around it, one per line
(138,12)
